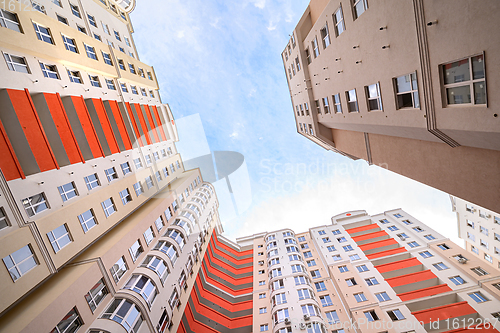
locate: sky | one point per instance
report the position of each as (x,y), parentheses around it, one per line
(219,68)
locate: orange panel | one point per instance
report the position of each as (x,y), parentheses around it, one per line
(444,312)
(375,234)
(386,253)
(227,266)
(377,244)
(143,122)
(224,287)
(106,125)
(120,124)
(33,130)
(134,124)
(88,128)
(227,277)
(194,325)
(230,249)
(64,129)
(157,117)
(217,300)
(430,291)
(410,278)
(410,262)
(8,163)
(363,228)
(151,122)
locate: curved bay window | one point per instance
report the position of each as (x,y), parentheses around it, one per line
(310,310)
(169,249)
(177,236)
(184,225)
(280,315)
(157,265)
(143,285)
(125,313)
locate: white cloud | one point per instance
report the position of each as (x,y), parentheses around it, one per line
(233,135)
(271,26)
(259,3)
(180,34)
(215,22)
(252,92)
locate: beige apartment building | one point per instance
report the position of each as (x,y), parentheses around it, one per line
(480,229)
(406,85)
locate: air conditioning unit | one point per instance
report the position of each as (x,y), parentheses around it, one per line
(302,326)
(287,321)
(306,317)
(462,261)
(473,210)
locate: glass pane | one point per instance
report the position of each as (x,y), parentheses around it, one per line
(405,101)
(456,72)
(403,83)
(480,92)
(21,254)
(60,231)
(414,81)
(416,99)
(64,241)
(352,95)
(373,91)
(478,67)
(458,95)
(27,265)
(373,104)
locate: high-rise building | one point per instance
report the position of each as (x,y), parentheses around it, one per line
(480,229)
(405,85)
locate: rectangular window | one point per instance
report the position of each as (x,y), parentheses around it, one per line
(320,286)
(326,107)
(134,90)
(297,63)
(338,20)
(135,250)
(413,244)
(429,237)
(92,20)
(90,51)
(81,29)
(70,44)
(4,222)
(359,7)
(382,297)
(362,268)
(118,269)
(371,315)
(98,37)
(43,33)
(425,254)
(149,182)
(315,47)
(132,68)
(354,257)
(360,297)
(105,28)
(149,235)
(108,206)
(478,297)
(9,20)
(143,92)
(75,10)
(371,281)
(308,56)
(49,71)
(351,282)
(16,64)
(479,271)
(124,87)
(138,189)
(38,7)
(373,97)
(315,274)
(110,84)
(35,204)
(343,269)
(92,181)
(325,36)
(94,81)
(395,315)
(59,237)
(407,91)
(348,248)
(326,300)
(464,81)
(127,41)
(70,323)
(67,191)
(107,58)
(117,35)
(440,266)
(62,19)
(418,229)
(111,174)
(457,280)
(20,262)
(125,196)
(94,297)
(352,102)
(393,228)
(443,247)
(87,220)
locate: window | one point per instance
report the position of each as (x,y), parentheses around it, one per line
(352,103)
(62,19)
(137,163)
(105,28)
(108,206)
(338,20)
(359,7)
(348,248)
(38,7)
(107,58)
(43,33)
(395,315)
(20,262)
(168,249)
(149,182)
(371,315)
(262,310)
(332,317)
(413,244)
(111,174)
(425,254)
(496,315)
(371,281)
(75,10)
(360,297)
(35,204)
(336,232)
(307,254)
(350,282)
(457,280)
(315,47)
(488,258)
(336,257)
(67,191)
(354,257)
(264,327)
(440,266)
(315,274)
(92,181)
(479,271)
(138,189)
(382,297)
(4,222)
(96,36)
(429,237)
(262,295)
(158,176)
(305,294)
(402,236)
(70,44)
(81,29)
(131,67)
(293,257)
(300,280)
(280,315)
(465,79)
(59,238)
(320,286)
(142,285)
(326,300)
(49,71)
(384,221)
(407,91)
(125,196)
(278,284)
(311,263)
(325,36)
(478,297)
(373,97)
(110,84)
(16,64)
(125,313)
(297,63)
(87,220)
(262,283)
(326,240)
(483,243)
(418,229)
(9,20)
(474,249)
(69,324)
(57,2)
(326,107)
(135,250)
(94,81)
(308,56)
(443,247)
(343,269)
(143,92)
(96,295)
(393,228)
(362,268)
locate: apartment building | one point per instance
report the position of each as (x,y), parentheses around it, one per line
(480,229)
(405,85)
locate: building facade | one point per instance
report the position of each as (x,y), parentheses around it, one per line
(398,91)
(480,229)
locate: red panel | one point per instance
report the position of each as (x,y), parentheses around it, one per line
(120,124)
(143,122)
(386,253)
(230,258)
(88,128)
(227,266)
(181,328)
(106,125)
(227,277)
(194,325)
(134,124)
(375,234)
(224,287)
(157,117)
(8,163)
(230,249)
(33,130)
(239,306)
(400,264)
(410,278)
(430,291)
(363,228)
(151,122)
(64,129)
(377,244)
(444,312)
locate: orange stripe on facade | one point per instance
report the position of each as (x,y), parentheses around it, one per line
(106,125)
(424,292)
(444,312)
(217,300)
(227,266)
(227,277)
(410,278)
(88,128)
(8,163)
(386,253)
(33,130)
(377,244)
(158,120)
(362,228)
(376,234)
(224,287)
(392,266)
(230,249)
(142,122)
(151,122)
(120,124)
(195,325)
(134,124)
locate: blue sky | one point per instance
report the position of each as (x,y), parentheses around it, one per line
(222,60)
